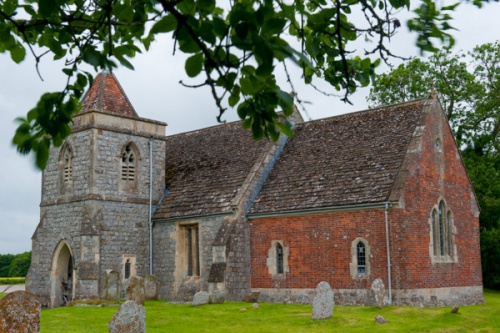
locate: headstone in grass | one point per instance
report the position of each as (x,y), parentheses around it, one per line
(378,289)
(151,287)
(217,297)
(20,312)
(201,298)
(323,301)
(130,318)
(112,286)
(454,310)
(135,290)
(380,320)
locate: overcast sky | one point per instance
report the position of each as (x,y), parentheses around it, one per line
(155,93)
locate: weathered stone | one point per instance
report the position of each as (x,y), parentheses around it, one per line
(201,298)
(20,312)
(217,297)
(135,290)
(454,310)
(380,320)
(253,297)
(255,305)
(151,287)
(130,318)
(189,287)
(378,290)
(323,301)
(111,289)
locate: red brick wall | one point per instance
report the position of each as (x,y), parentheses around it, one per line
(320,248)
(435,175)
(320,244)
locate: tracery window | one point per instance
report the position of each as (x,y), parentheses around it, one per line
(128,163)
(442,232)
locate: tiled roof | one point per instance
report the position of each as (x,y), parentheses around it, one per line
(345,160)
(107,95)
(205,169)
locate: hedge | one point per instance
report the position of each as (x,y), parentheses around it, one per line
(12,280)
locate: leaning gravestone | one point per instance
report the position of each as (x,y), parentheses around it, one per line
(151,287)
(130,318)
(200,298)
(323,301)
(135,290)
(378,290)
(20,312)
(380,320)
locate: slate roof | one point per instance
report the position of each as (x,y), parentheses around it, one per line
(345,160)
(206,168)
(106,95)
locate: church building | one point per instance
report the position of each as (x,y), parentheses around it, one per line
(377,194)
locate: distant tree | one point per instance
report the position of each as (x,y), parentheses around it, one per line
(234,49)
(5,261)
(20,265)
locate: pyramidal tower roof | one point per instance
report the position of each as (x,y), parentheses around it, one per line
(106,95)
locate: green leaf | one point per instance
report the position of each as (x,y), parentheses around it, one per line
(165,24)
(47,7)
(18,53)
(234,98)
(194,65)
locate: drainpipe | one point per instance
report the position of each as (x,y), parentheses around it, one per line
(150,205)
(387,205)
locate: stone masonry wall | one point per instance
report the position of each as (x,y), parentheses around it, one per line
(165,253)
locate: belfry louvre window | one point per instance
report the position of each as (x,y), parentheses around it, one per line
(68,165)
(361,256)
(193,250)
(279,259)
(442,230)
(128,163)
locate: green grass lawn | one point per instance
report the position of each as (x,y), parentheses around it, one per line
(229,317)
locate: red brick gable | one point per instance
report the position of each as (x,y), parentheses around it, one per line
(107,95)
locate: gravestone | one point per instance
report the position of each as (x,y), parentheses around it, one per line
(20,312)
(135,290)
(112,286)
(323,301)
(454,310)
(378,290)
(201,298)
(130,318)
(217,297)
(151,287)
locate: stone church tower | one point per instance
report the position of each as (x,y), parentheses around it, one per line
(96,199)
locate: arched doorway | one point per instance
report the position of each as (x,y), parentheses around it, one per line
(61,276)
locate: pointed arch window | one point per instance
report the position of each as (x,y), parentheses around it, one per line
(128,163)
(360,259)
(442,232)
(279,259)
(68,165)
(361,253)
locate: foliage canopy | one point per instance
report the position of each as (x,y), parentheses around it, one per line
(234,49)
